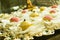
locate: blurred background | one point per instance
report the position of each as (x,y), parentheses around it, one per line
(5,5)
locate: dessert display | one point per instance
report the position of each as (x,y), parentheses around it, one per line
(23,24)
(26,23)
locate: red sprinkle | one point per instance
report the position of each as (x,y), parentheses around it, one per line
(14,19)
(52,11)
(48,17)
(54,6)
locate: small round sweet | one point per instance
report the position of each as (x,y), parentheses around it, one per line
(54,6)
(52,11)
(14,19)
(42,8)
(24,25)
(34,15)
(47,17)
